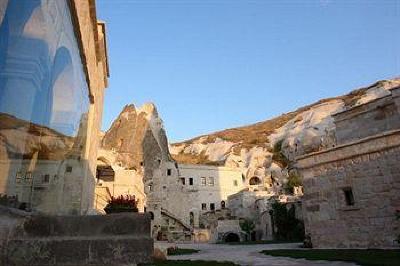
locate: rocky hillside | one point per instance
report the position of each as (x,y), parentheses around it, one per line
(269,147)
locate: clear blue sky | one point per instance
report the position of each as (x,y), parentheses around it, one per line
(211,65)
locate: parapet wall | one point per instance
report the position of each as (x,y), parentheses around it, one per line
(118,239)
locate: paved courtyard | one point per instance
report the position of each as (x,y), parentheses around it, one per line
(247,255)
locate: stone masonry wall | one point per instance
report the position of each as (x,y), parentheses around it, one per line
(371,169)
(91,37)
(369,119)
(118,239)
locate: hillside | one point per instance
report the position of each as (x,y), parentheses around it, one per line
(271,145)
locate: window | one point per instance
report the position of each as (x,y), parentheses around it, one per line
(235,183)
(18,177)
(191,219)
(211,181)
(203,181)
(191,181)
(183,180)
(150,187)
(46,178)
(212,206)
(349,197)
(68,169)
(169,172)
(204,206)
(222,204)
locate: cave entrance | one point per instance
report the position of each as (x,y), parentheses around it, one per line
(255,181)
(232,237)
(104,171)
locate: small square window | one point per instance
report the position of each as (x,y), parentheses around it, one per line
(169,172)
(235,183)
(211,181)
(203,181)
(68,169)
(212,206)
(183,181)
(204,206)
(349,197)
(191,181)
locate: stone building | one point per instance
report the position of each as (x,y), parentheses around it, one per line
(208,187)
(352,191)
(256,206)
(53,71)
(188,192)
(186,201)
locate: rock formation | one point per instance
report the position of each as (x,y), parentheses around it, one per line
(137,140)
(268,148)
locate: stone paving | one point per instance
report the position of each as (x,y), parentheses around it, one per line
(248,255)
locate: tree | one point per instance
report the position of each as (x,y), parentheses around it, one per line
(288,226)
(247,226)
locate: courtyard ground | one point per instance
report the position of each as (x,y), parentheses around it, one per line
(247,254)
(365,257)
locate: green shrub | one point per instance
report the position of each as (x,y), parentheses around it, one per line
(294,180)
(247,226)
(278,156)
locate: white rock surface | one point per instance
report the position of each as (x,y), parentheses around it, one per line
(310,130)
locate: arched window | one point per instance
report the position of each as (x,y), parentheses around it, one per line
(223,204)
(255,181)
(151,215)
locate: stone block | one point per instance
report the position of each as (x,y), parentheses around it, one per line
(117,239)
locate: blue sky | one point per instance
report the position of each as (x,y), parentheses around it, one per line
(212,65)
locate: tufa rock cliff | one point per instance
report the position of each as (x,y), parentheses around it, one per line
(268,148)
(136,140)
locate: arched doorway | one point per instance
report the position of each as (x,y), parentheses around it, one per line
(223,204)
(254,181)
(232,237)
